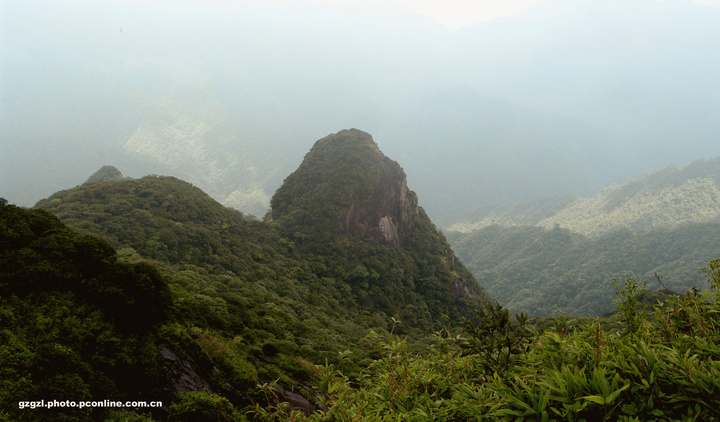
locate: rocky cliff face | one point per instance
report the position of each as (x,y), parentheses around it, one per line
(349,182)
(347,199)
(387,216)
(344,225)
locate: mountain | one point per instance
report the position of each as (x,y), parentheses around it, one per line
(80,321)
(664,199)
(546,271)
(522,213)
(345,182)
(347,190)
(661,200)
(344,217)
(105,174)
(564,252)
(565,98)
(198,135)
(346,252)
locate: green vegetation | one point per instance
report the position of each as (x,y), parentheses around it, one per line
(344,303)
(331,208)
(528,213)
(303,253)
(106,173)
(662,369)
(536,270)
(285,319)
(76,323)
(559,253)
(248,301)
(663,200)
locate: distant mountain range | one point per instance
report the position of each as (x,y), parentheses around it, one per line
(560,255)
(565,98)
(662,200)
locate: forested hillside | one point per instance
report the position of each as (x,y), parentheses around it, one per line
(660,200)
(561,254)
(80,323)
(252,268)
(343,303)
(345,215)
(659,366)
(552,271)
(346,254)
(76,322)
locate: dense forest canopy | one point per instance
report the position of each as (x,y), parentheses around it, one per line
(415,277)
(66,334)
(76,322)
(248,301)
(552,271)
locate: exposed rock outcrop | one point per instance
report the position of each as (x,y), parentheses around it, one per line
(362,190)
(459,289)
(347,198)
(181,373)
(387,217)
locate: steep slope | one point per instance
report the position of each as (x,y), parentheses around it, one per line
(345,184)
(347,252)
(348,199)
(344,227)
(245,308)
(663,199)
(77,323)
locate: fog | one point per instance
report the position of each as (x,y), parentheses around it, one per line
(565,96)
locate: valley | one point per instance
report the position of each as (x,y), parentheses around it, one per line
(559,255)
(345,300)
(340,210)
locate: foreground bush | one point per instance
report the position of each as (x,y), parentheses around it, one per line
(666,368)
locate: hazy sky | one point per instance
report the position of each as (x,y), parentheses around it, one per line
(459,13)
(453,14)
(568,96)
(456,14)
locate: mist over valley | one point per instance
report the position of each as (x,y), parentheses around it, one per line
(318,210)
(561,98)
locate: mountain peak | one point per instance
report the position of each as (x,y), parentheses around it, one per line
(347,199)
(105,174)
(345,217)
(346,184)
